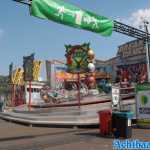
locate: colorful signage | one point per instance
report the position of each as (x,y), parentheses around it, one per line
(143,101)
(79,59)
(17,77)
(115,97)
(36,69)
(67,14)
(28,67)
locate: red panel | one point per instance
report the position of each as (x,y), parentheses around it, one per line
(105,122)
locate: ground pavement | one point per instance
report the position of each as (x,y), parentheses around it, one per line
(19,137)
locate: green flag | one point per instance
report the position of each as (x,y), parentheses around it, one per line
(64,13)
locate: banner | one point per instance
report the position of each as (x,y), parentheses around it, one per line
(48,71)
(143,101)
(36,70)
(17,77)
(115,98)
(10,72)
(28,67)
(67,14)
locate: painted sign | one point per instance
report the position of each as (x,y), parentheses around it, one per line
(17,77)
(36,70)
(77,58)
(115,97)
(48,71)
(143,101)
(10,72)
(28,67)
(133,48)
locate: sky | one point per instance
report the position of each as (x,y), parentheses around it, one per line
(22,34)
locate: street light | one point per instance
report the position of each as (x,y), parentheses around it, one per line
(146,23)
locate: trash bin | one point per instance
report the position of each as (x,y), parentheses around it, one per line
(121,124)
(105,122)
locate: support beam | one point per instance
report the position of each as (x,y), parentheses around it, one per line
(130,31)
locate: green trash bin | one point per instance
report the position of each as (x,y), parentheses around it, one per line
(122,124)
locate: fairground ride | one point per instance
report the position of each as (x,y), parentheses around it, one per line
(114,25)
(123,29)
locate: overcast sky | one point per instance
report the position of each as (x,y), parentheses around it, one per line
(22,34)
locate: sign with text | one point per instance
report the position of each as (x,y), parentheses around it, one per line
(143,101)
(133,48)
(115,97)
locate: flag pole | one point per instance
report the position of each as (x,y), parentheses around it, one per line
(79,96)
(147,49)
(30,95)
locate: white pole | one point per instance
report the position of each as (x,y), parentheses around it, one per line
(147,50)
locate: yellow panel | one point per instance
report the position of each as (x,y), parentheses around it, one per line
(36,70)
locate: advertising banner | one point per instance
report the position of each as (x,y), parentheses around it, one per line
(77,58)
(67,14)
(143,101)
(36,70)
(48,71)
(28,67)
(10,72)
(115,97)
(17,77)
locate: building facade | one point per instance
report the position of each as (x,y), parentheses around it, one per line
(131,61)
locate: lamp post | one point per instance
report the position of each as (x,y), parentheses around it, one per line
(147,49)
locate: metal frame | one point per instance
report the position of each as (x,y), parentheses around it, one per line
(139,34)
(131,31)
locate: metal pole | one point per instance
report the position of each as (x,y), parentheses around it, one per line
(29,95)
(147,50)
(79,90)
(13,95)
(11,87)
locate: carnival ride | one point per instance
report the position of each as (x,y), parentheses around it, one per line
(58,96)
(117,27)
(88,113)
